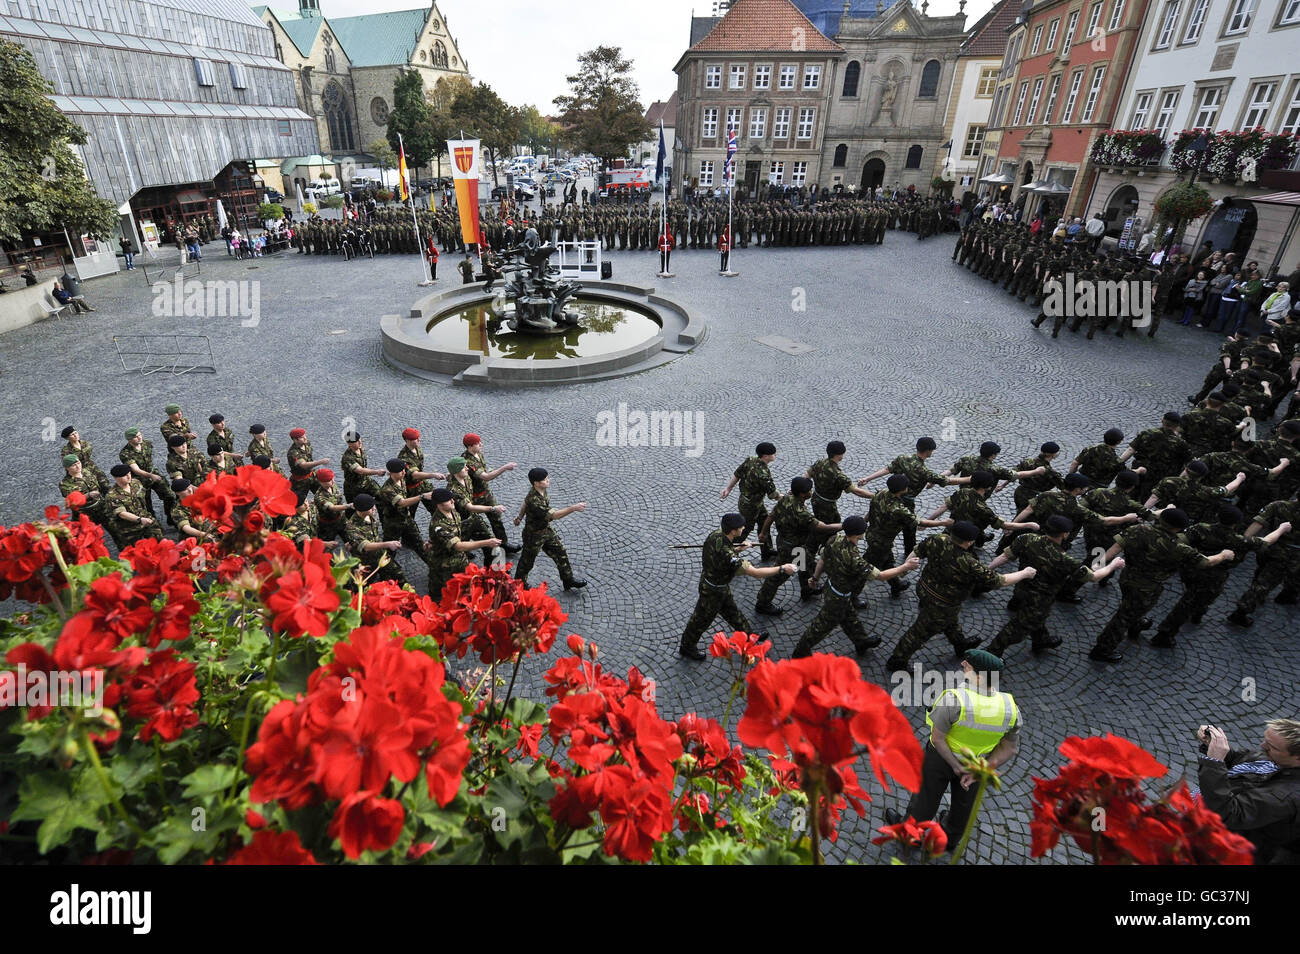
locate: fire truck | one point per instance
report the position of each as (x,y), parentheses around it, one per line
(625,180)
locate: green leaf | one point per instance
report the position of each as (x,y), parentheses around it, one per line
(208,780)
(59,802)
(175,838)
(132,769)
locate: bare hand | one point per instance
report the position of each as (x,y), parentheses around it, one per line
(1229,555)
(966,779)
(518,520)
(499,508)
(725,491)
(1285,526)
(1217,746)
(862,482)
(1030,572)
(1032,525)
(789,568)
(912,562)
(579,507)
(510,466)
(1118,563)
(494,542)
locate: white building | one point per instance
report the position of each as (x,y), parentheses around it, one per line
(1229,65)
(973,83)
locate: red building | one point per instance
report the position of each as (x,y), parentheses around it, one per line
(1061,82)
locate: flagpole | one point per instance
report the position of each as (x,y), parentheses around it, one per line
(410,198)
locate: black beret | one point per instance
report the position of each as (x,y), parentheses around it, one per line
(990,448)
(120,470)
(854,526)
(176,440)
(800,485)
(67,431)
(1076,480)
(964,530)
(216,418)
(1173,417)
(1176,518)
(897,482)
(732,521)
(351,437)
(1051,447)
(180,485)
(1127,478)
(1113,436)
(1198,467)
(262,461)
(1290,427)
(362,502)
(1218,397)
(767,447)
(1231,388)
(214,450)
(1059,523)
(537,473)
(835,448)
(981,479)
(925,444)
(395,465)
(1230,514)
(442,495)
(257,429)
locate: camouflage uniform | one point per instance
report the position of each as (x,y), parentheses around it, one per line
(971,464)
(949,575)
(85,454)
(720,564)
(414,460)
(794,529)
(399,522)
(755,484)
(829,481)
(142,457)
(303,526)
(260,445)
(181,518)
(1198,499)
(1099,463)
(919,476)
(223,439)
(1031,601)
(1030,487)
(1205,430)
(358,530)
(1162,452)
(301,454)
(444,560)
(182,427)
(1107,502)
(193,467)
(354,483)
(95,507)
(887,518)
(540,537)
(1202,587)
(482,491)
(129,499)
(847,573)
(1278,564)
(472,525)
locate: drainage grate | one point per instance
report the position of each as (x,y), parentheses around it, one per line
(784,344)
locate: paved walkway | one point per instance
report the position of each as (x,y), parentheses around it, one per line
(903,343)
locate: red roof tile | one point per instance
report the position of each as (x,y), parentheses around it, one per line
(988,37)
(761,25)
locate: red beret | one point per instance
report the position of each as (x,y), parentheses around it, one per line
(324,475)
(471,439)
(297,432)
(410,434)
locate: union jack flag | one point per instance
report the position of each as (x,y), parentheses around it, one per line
(731,153)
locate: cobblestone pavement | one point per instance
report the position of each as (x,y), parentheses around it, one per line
(904,343)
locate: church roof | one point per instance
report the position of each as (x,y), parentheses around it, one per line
(825,14)
(380,39)
(302,31)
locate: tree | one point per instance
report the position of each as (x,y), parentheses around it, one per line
(603,114)
(536,131)
(441,98)
(413,119)
(43,185)
(485,116)
(383,153)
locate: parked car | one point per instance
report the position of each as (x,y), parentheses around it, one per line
(274,196)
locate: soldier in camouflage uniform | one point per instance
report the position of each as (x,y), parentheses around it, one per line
(1115,501)
(471,512)
(1031,601)
(1279,564)
(795,527)
(221,434)
(1207,429)
(539,535)
(124,506)
(951,572)
(358,477)
(219,461)
(397,502)
(1100,462)
(446,552)
(187,526)
(177,424)
(76,480)
(304,524)
(138,456)
(755,479)
(971,504)
(85,453)
(969,465)
(889,516)
(1190,492)
(720,562)
(1153,553)
(847,573)
(260,444)
(1046,478)
(363,534)
(480,481)
(303,457)
(1161,450)
(829,481)
(919,476)
(331,509)
(417,478)
(182,463)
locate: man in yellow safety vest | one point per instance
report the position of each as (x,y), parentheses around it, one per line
(977,718)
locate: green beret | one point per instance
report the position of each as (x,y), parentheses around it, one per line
(172,408)
(131,432)
(70,459)
(982,660)
(456,465)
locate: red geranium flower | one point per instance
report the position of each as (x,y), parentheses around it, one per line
(366,822)
(162,692)
(301,602)
(273,848)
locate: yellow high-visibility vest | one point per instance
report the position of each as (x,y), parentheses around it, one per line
(983,720)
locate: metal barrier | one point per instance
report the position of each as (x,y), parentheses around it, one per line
(179,354)
(579,259)
(170,270)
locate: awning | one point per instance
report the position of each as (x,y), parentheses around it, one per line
(998,179)
(1273,198)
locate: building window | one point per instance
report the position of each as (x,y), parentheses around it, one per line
(841,155)
(777,175)
(1141,111)
(733,119)
(1033,102)
(279,50)
(786,79)
(1261,101)
(1165,118)
(995,114)
(1070,26)
(805,129)
(338,118)
(1239,17)
(1052,31)
(930,80)
(1196,22)
(1291,118)
(852,73)
(1094,18)
(709,123)
(1051,99)
(1115,16)
(282,127)
(1038,42)
(1020,103)
(1168,20)
(1094,91)
(757,122)
(1013,51)
(1290,13)
(1076,80)
(763,77)
(989,79)
(781,124)
(238,76)
(798,173)
(706,172)
(913,158)
(974,142)
(1207,110)
(737,76)
(713,77)
(812,76)
(203,72)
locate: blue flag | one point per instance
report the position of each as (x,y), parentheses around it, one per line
(663,154)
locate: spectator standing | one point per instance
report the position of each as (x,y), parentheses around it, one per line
(1256,793)
(1193,296)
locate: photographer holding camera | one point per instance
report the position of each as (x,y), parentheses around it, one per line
(1256,793)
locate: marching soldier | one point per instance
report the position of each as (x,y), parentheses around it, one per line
(331,509)
(85,453)
(1276,565)
(363,533)
(303,457)
(481,479)
(447,553)
(261,445)
(539,535)
(138,456)
(181,463)
(396,503)
(76,480)
(755,479)
(124,506)
(919,476)
(357,474)
(182,519)
(795,527)
(220,434)
(176,424)
(417,478)
(1161,450)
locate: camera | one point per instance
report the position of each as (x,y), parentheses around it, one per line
(1204,738)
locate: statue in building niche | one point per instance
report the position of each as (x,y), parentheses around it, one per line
(888,93)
